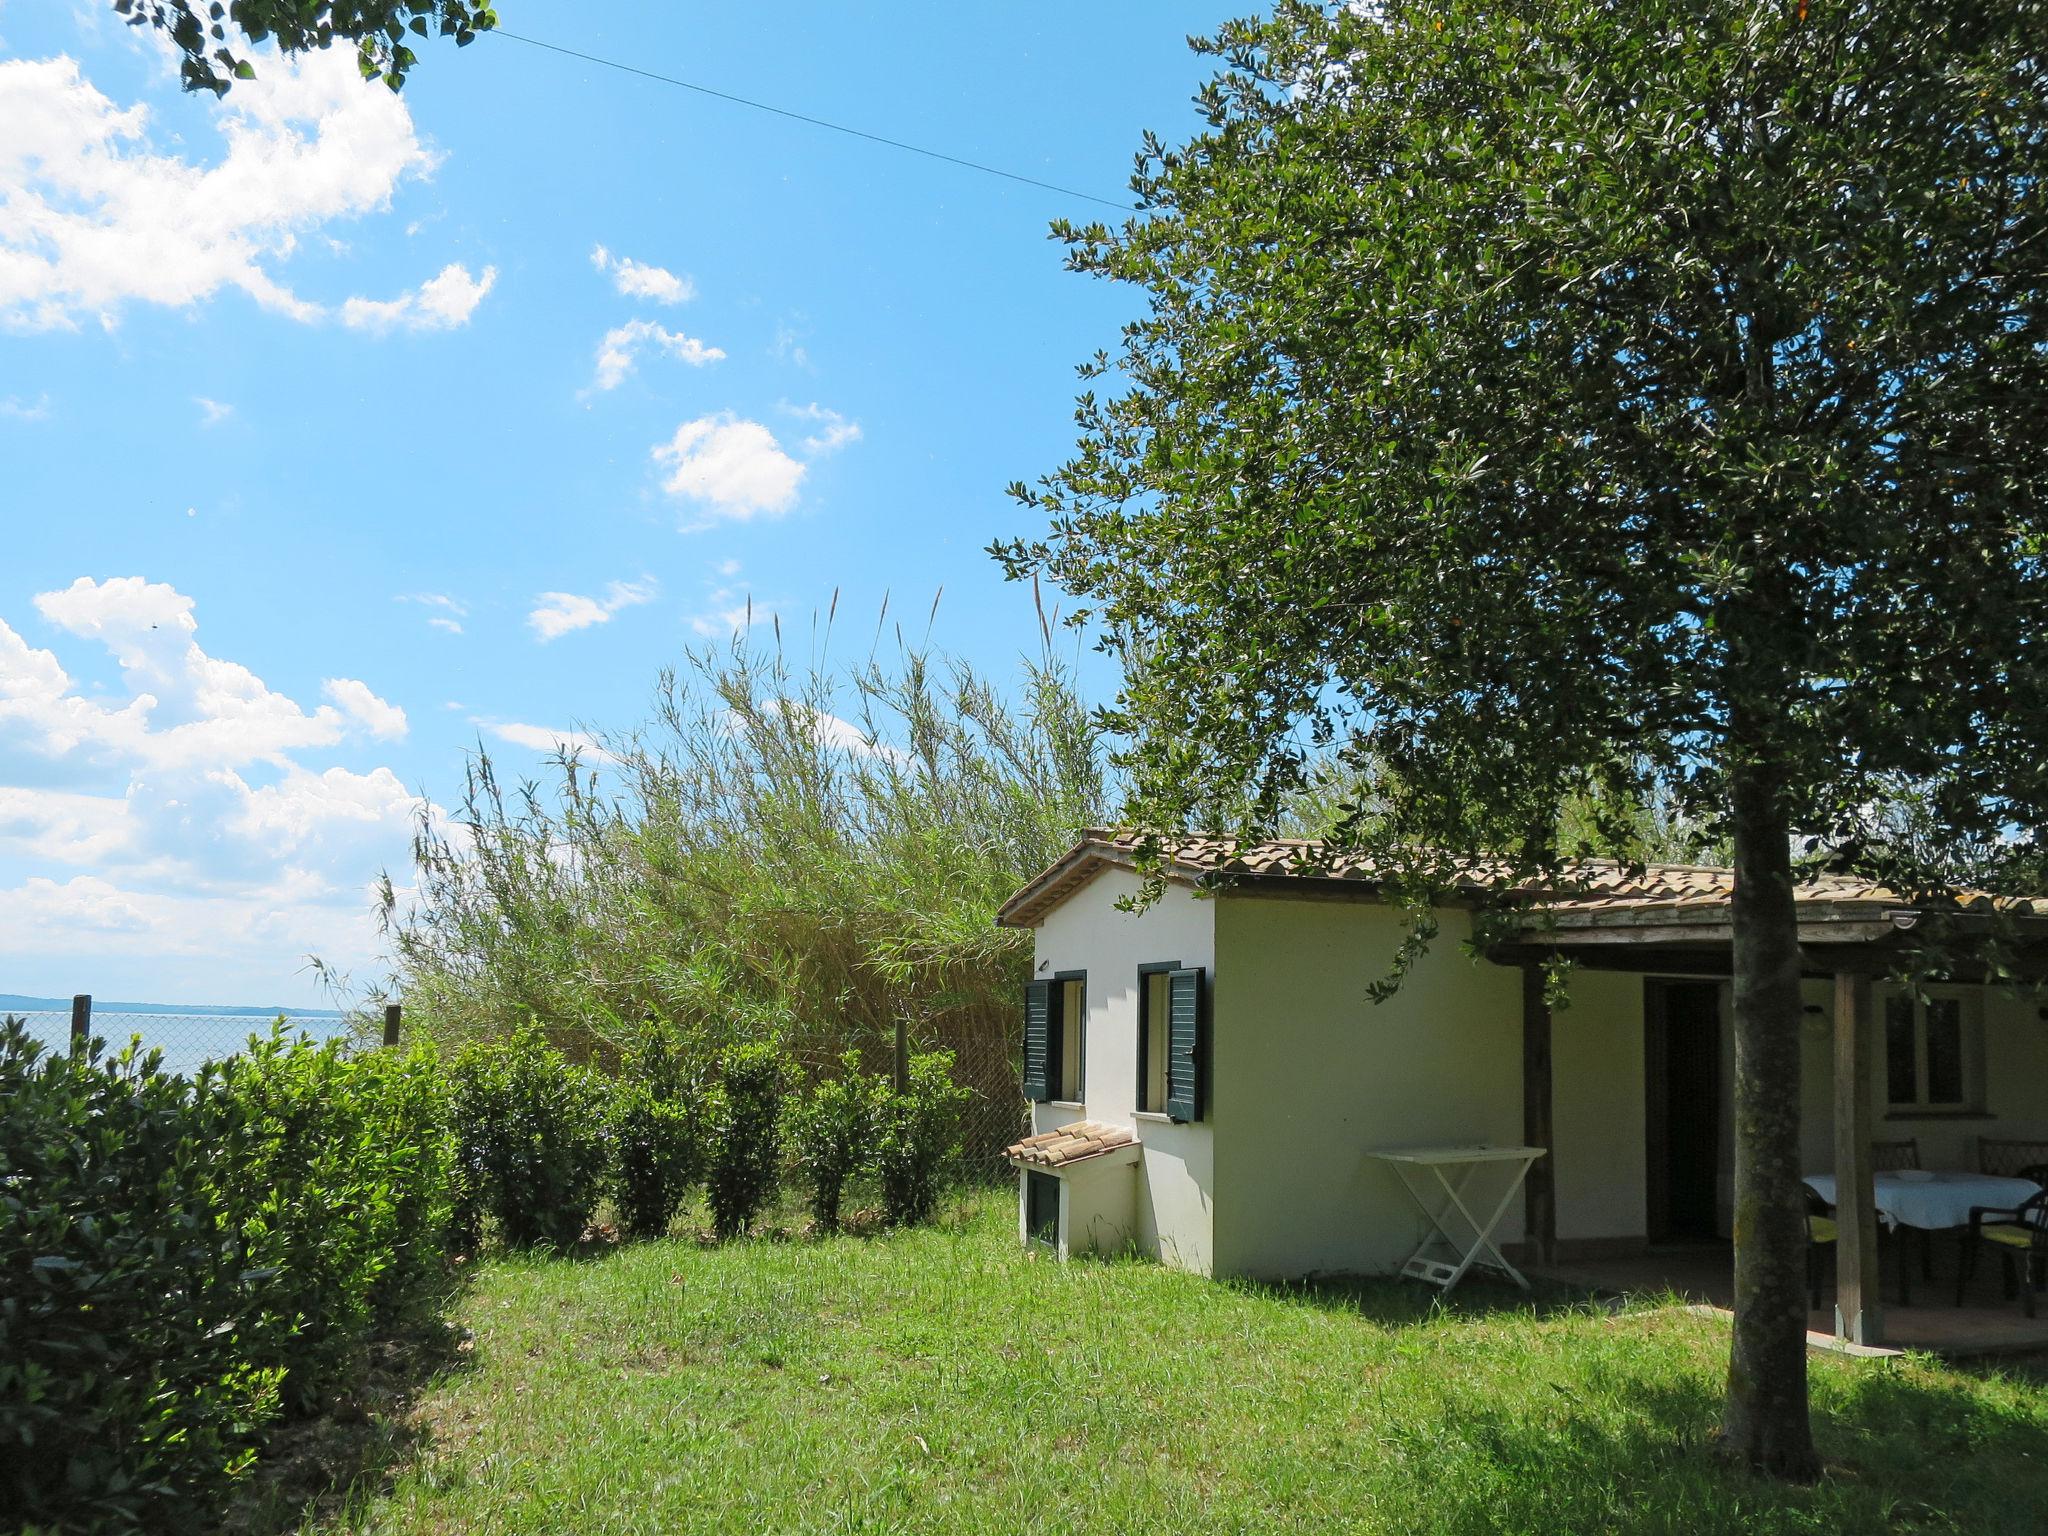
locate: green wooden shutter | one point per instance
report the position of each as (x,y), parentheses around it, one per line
(1184,1053)
(1038,1046)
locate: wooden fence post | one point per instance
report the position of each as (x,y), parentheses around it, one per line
(81,1021)
(391,1015)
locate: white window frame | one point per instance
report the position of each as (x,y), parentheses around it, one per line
(1071,1014)
(1969,1025)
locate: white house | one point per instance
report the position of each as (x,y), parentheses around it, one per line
(1210,1077)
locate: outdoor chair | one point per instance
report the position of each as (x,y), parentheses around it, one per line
(2012,1159)
(2021,1236)
(1890,1157)
(1820,1242)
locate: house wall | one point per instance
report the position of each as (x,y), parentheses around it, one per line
(1309,1076)
(1597,1108)
(1086,932)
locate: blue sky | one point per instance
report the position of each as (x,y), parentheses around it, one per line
(338,432)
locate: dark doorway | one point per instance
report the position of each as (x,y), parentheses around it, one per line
(1042,1207)
(1682,1083)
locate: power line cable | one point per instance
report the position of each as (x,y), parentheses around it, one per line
(816,122)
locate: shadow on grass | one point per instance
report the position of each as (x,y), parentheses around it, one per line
(1622,1452)
(1627,1445)
(1395,1303)
(329,1468)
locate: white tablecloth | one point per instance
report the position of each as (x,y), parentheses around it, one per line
(1942,1200)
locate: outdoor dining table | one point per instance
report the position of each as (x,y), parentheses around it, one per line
(1932,1200)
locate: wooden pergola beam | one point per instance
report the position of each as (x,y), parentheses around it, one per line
(1539,1190)
(1859,1308)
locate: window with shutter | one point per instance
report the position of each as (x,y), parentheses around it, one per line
(1038,1079)
(1070,1037)
(1185,1044)
(1153,995)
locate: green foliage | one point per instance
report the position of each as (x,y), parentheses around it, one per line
(1549,413)
(743,1133)
(332,1169)
(920,1137)
(380,29)
(533,1141)
(127,1396)
(831,1132)
(749,864)
(410,1121)
(181,1259)
(654,1132)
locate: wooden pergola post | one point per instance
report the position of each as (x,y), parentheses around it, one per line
(1859,1308)
(1539,1193)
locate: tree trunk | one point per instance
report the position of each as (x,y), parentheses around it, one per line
(1764,1422)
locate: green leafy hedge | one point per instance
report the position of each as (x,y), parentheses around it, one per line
(534,1139)
(184,1260)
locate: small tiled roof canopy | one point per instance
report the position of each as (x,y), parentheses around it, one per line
(1594,886)
(1068,1144)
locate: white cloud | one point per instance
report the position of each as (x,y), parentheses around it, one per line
(834,430)
(99,216)
(733,467)
(441,303)
(17,409)
(450,613)
(619,351)
(302,806)
(642,282)
(557,613)
(184,708)
(384,721)
(546,738)
(61,826)
(169,830)
(212,412)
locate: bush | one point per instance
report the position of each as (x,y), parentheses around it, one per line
(332,1171)
(654,1133)
(920,1137)
(533,1139)
(412,1124)
(126,1398)
(831,1133)
(743,1117)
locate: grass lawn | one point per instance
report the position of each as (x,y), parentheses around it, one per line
(940,1380)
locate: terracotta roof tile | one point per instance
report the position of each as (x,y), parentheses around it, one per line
(1068,1144)
(1592,885)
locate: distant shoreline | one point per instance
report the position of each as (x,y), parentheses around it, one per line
(17,1003)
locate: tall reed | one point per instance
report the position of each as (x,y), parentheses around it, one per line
(796,850)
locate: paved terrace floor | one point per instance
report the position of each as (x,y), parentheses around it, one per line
(1986,1324)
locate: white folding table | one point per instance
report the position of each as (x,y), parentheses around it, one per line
(1445,1254)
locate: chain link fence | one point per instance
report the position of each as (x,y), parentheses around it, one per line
(187,1038)
(987,1061)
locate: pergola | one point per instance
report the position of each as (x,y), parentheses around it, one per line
(1850,937)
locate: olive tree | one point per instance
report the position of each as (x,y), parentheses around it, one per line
(1553,401)
(207,32)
